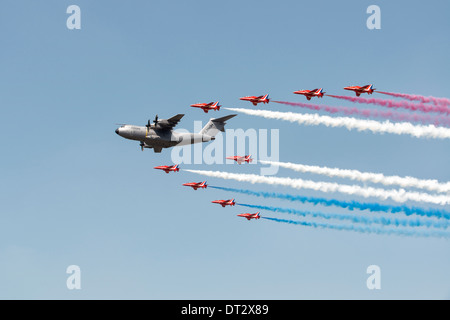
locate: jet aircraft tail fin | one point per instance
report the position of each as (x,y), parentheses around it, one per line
(215,125)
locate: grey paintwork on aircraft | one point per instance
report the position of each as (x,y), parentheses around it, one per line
(160,134)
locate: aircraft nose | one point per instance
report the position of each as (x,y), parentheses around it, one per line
(117,131)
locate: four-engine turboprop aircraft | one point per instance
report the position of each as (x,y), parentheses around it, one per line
(160,133)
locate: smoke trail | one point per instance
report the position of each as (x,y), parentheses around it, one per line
(373,113)
(397,104)
(350,205)
(405,182)
(418,131)
(424,233)
(356,218)
(416,97)
(396,195)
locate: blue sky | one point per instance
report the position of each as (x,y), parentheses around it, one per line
(74,192)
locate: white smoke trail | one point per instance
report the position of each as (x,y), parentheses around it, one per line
(397,195)
(404,182)
(418,131)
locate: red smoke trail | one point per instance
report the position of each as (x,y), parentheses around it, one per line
(369,113)
(397,104)
(416,97)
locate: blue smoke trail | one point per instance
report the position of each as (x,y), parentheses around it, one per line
(424,233)
(351,205)
(355,218)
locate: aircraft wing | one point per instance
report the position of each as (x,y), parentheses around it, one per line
(169,124)
(175,119)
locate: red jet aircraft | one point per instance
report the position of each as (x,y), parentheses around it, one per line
(196,185)
(311,93)
(369,89)
(250,216)
(241,159)
(167,169)
(255,100)
(207,106)
(224,203)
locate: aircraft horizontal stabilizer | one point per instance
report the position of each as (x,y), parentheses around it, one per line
(223,119)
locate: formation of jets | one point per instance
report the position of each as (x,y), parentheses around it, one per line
(160,134)
(203,184)
(319,93)
(224,203)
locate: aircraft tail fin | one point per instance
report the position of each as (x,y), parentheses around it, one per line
(215,125)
